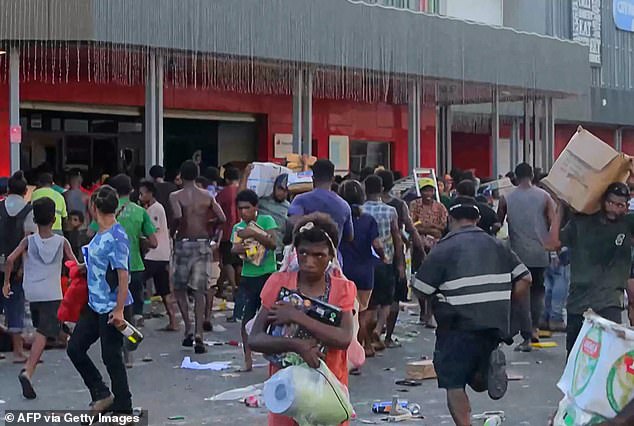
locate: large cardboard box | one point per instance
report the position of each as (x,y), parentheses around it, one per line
(420,370)
(263,177)
(584,170)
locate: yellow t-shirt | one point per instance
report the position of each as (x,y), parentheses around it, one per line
(60,204)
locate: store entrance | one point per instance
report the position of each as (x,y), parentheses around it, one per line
(217,141)
(94,144)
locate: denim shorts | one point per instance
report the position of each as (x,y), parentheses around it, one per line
(13,307)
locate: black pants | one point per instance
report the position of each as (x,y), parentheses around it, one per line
(90,327)
(575,323)
(526,315)
(137,287)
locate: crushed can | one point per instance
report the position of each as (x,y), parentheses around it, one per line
(385,407)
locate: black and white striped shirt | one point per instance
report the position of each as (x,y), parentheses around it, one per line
(471,275)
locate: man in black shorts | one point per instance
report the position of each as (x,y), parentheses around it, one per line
(472,303)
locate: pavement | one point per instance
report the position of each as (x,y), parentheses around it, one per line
(165,390)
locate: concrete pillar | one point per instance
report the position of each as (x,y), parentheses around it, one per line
(297,111)
(536,151)
(495,132)
(154,111)
(549,131)
(618,139)
(443,143)
(14,103)
(413,126)
(307,114)
(526,153)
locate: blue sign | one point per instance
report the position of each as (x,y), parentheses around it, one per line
(623,11)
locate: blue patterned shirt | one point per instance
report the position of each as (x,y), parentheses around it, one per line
(109,248)
(384,216)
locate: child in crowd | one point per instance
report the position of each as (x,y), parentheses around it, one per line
(108,294)
(253,276)
(44,253)
(76,236)
(315,242)
(157,260)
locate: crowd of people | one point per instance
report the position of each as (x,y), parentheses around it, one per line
(346,242)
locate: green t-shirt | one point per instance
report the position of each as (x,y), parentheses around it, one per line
(137,224)
(600,261)
(60,204)
(268,265)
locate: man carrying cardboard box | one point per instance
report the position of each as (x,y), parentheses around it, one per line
(601,262)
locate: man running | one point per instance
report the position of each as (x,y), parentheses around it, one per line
(193,209)
(530,212)
(472,296)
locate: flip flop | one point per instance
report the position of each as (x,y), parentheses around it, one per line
(393,344)
(27,387)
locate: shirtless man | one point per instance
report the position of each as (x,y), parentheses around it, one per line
(193,209)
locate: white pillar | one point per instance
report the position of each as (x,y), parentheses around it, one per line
(526,153)
(297,112)
(514,144)
(443,135)
(549,131)
(154,111)
(150,113)
(495,132)
(14,103)
(307,114)
(618,139)
(413,126)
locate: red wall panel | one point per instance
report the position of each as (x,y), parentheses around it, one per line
(628,141)
(563,133)
(471,151)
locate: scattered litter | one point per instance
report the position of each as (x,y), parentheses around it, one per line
(539,362)
(213,343)
(164,355)
(260,365)
(514,377)
(389,369)
(219,328)
(491,418)
(176,418)
(368,422)
(420,370)
(214,366)
(233,343)
(413,333)
(2,401)
(520,363)
(147,358)
(231,375)
(544,345)
(238,394)
(408,382)
(254,401)
(545,333)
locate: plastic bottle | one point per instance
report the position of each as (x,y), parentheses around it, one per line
(133,337)
(493,421)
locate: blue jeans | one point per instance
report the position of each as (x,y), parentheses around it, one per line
(557,283)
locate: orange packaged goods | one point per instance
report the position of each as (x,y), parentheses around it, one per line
(584,170)
(299,163)
(76,296)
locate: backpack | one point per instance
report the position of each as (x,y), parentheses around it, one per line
(11,231)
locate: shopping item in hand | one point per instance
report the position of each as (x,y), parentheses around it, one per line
(314,308)
(255,251)
(133,337)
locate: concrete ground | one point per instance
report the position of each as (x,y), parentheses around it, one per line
(166,390)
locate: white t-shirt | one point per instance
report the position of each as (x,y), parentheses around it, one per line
(159,220)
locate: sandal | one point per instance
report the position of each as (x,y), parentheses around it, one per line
(207,326)
(408,382)
(392,344)
(188,341)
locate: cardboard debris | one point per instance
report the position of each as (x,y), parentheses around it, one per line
(584,170)
(420,370)
(544,345)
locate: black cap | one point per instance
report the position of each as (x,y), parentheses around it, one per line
(619,189)
(464,208)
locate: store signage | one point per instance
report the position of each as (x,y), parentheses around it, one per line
(623,12)
(283,144)
(15,134)
(586,26)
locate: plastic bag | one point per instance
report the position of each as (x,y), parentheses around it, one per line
(599,377)
(312,397)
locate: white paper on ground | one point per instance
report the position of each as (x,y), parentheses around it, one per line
(238,393)
(214,366)
(218,328)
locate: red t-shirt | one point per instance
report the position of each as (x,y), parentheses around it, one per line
(342,294)
(227,200)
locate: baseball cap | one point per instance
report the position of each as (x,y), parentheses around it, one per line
(464,208)
(425,182)
(619,189)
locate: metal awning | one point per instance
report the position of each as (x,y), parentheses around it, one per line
(329,33)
